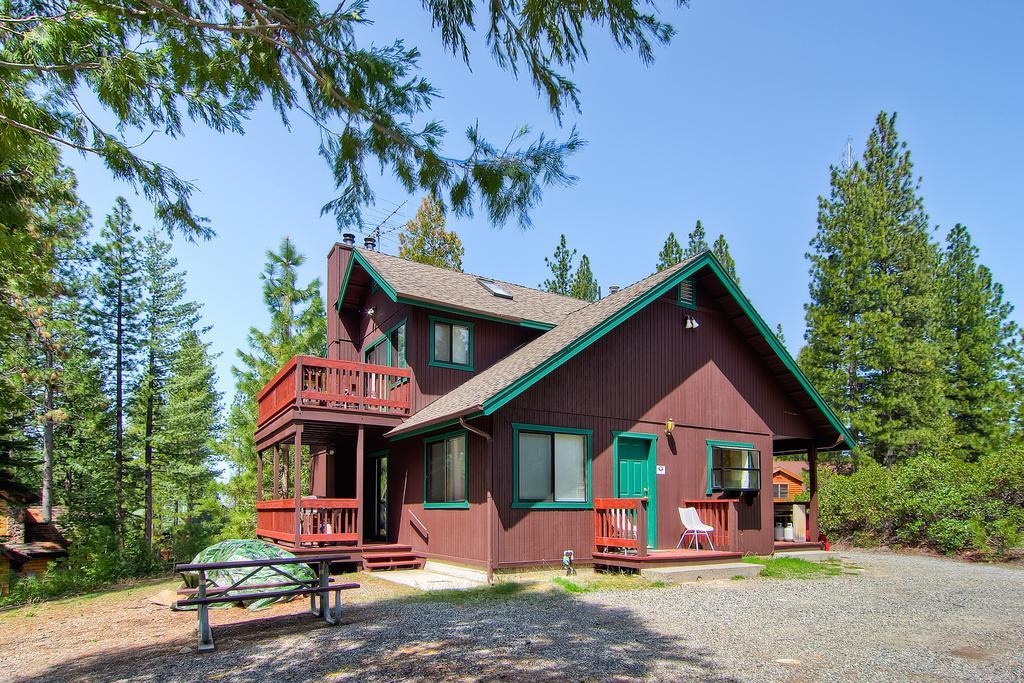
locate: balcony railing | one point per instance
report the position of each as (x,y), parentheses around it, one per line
(319,520)
(339,384)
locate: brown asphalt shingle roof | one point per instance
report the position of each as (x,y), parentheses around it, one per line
(471,395)
(463,291)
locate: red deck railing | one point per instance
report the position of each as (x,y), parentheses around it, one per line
(339,384)
(620,524)
(321,520)
(717,514)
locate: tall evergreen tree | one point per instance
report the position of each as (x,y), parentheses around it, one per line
(297,326)
(697,241)
(671,253)
(874,339)
(721,251)
(560,266)
(117,322)
(188,443)
(166,316)
(983,350)
(424,239)
(584,284)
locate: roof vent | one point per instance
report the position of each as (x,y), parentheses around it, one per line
(348,238)
(369,243)
(494,288)
(612,289)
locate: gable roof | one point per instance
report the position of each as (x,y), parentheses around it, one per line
(491,389)
(450,290)
(794,468)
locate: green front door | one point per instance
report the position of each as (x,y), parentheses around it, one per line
(634,476)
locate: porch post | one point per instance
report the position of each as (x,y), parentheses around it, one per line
(298,484)
(277,469)
(360,447)
(812,481)
(259,475)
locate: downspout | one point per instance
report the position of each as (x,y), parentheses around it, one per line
(490,500)
(476,430)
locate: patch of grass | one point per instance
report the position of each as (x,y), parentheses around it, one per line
(497,591)
(606,582)
(738,577)
(794,567)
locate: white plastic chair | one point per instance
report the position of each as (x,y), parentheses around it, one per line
(693,527)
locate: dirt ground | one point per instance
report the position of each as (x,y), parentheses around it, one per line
(904,618)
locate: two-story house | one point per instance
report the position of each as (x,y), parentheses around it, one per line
(481,422)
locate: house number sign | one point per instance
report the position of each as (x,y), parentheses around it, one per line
(661,469)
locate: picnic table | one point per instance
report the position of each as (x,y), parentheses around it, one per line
(318,589)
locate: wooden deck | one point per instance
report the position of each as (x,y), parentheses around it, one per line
(663,558)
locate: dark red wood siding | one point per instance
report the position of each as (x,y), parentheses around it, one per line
(642,373)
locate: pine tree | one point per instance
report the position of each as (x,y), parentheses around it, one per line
(874,339)
(116,322)
(982,349)
(584,284)
(297,326)
(188,443)
(41,220)
(76,74)
(779,334)
(696,242)
(560,265)
(166,316)
(671,253)
(425,240)
(721,252)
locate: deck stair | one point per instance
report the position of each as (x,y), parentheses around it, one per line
(376,558)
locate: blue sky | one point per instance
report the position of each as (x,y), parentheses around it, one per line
(735,123)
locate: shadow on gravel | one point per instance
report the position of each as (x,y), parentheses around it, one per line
(534,637)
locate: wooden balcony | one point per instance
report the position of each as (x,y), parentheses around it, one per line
(321,384)
(317,522)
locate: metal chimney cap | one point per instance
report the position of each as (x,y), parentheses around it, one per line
(348,238)
(369,243)
(612,289)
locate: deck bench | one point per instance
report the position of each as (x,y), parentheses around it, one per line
(318,589)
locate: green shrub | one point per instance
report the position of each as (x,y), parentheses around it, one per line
(94,560)
(931,501)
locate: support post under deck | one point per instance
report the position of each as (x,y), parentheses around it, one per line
(297,467)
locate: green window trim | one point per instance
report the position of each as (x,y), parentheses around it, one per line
(430,343)
(385,337)
(712,445)
(691,301)
(518,427)
(447,505)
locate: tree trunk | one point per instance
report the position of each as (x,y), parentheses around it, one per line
(150,401)
(119,411)
(47,492)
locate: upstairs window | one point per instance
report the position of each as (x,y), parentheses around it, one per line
(733,467)
(686,293)
(780,491)
(445,471)
(451,343)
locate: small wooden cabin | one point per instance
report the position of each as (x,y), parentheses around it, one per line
(27,544)
(465,419)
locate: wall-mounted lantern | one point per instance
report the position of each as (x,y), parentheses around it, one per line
(669,426)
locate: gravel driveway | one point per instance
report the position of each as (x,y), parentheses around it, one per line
(905,618)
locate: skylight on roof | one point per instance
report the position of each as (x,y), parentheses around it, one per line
(494,288)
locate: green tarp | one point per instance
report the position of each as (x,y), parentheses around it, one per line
(246,549)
